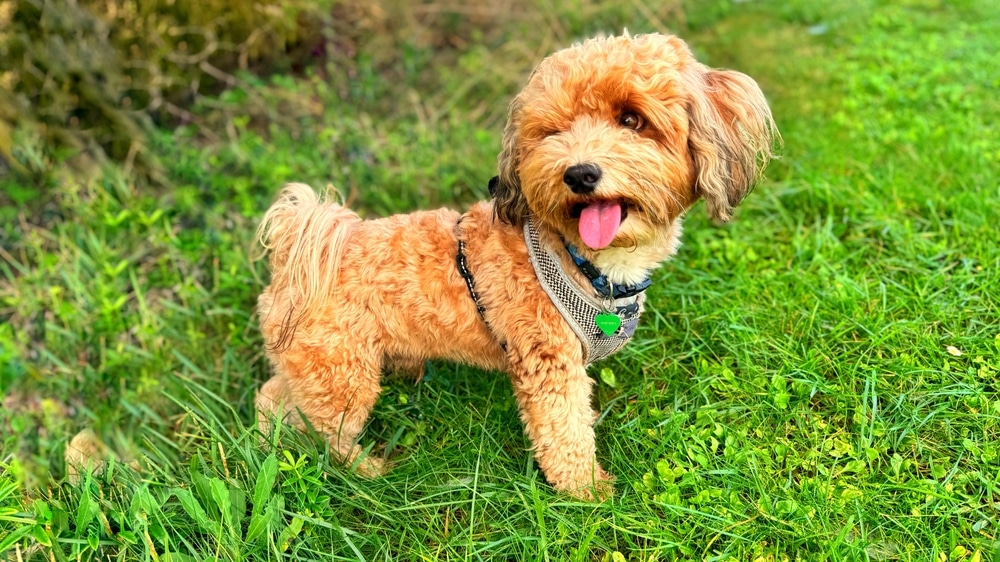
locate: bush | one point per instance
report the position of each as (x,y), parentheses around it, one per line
(87,78)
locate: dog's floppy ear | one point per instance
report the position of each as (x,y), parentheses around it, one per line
(732,137)
(509,204)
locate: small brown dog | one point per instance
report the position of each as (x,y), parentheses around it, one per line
(607,146)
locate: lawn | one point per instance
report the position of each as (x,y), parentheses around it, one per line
(818,379)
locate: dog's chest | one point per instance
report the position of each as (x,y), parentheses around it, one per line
(604,327)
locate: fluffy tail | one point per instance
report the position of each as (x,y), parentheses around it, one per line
(305,236)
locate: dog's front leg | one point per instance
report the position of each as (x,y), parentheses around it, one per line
(553,394)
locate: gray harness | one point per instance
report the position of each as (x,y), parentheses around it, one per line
(578,307)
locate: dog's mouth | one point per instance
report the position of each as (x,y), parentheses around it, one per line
(599,220)
(576,209)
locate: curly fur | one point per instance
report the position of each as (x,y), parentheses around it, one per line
(349,299)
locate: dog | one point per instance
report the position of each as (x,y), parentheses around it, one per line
(605,148)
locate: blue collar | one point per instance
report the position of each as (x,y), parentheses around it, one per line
(600,281)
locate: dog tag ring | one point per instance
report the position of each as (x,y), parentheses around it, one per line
(608,321)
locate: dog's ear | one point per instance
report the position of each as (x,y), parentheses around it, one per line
(509,204)
(732,137)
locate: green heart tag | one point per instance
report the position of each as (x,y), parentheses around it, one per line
(608,322)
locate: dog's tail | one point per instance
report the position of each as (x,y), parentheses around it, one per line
(305,235)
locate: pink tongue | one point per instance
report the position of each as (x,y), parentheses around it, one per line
(599,223)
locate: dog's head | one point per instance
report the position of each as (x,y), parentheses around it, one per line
(613,139)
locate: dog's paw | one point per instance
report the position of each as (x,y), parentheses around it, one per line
(600,488)
(365,465)
(371,467)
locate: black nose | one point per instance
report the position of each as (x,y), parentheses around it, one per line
(582,178)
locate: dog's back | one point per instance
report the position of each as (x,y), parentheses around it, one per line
(334,274)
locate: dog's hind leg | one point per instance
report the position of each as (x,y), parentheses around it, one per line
(335,387)
(274,402)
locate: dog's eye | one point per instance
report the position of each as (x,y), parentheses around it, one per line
(631,120)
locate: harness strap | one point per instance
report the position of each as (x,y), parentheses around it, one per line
(470,282)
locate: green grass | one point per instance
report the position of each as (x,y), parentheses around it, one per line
(817,380)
